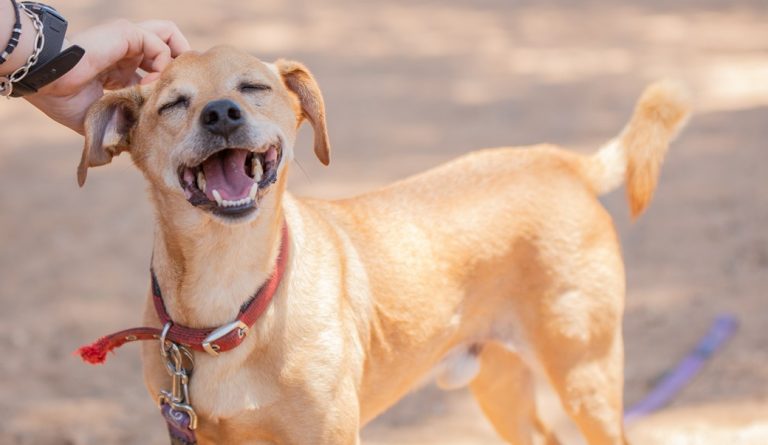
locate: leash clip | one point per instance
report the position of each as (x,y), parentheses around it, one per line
(177,399)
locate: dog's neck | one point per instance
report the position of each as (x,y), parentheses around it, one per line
(207,269)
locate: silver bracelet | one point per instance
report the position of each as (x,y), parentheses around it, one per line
(6,83)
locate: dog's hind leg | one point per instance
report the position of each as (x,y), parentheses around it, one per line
(504,389)
(579,346)
(590,390)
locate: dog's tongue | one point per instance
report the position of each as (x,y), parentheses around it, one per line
(225,172)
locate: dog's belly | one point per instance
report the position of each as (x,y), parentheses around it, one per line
(459,367)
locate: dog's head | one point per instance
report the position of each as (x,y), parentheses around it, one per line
(215,130)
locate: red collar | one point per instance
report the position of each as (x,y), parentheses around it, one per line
(211,340)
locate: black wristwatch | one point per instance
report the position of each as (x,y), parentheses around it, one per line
(52,62)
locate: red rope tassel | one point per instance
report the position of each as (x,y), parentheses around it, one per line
(96,353)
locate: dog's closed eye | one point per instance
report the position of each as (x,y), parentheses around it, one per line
(181,101)
(248,87)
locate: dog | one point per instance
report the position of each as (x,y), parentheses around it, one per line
(492,270)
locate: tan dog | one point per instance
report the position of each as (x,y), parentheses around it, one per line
(517,275)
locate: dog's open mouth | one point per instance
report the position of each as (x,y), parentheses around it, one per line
(231,181)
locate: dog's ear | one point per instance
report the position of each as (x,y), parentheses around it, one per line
(299,80)
(108,126)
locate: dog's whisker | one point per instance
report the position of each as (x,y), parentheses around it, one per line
(303,171)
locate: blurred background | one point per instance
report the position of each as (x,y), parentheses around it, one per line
(408,85)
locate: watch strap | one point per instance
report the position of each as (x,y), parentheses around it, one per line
(47,72)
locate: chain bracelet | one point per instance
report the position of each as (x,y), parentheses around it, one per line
(6,83)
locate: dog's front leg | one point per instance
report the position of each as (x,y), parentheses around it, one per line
(332,418)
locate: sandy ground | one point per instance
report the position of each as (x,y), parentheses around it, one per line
(409,85)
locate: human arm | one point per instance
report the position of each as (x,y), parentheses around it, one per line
(113,53)
(26,42)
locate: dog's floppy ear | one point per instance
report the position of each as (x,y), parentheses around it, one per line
(299,80)
(108,126)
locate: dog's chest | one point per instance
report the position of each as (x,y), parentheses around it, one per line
(236,382)
(224,387)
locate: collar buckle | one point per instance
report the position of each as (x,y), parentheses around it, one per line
(212,348)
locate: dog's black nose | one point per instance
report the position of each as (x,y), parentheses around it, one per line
(221,117)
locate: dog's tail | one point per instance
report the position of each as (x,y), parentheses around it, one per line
(635,156)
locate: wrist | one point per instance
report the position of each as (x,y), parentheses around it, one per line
(26,41)
(48,62)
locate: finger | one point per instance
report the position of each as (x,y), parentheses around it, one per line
(113,46)
(169,33)
(109,46)
(122,74)
(149,78)
(156,54)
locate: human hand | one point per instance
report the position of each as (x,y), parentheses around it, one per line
(113,53)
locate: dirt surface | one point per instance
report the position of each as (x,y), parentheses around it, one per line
(409,85)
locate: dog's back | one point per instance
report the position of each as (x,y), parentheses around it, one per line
(634,157)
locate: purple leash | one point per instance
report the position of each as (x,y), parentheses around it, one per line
(178,423)
(673,382)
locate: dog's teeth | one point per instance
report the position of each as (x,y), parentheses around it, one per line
(201,181)
(258,170)
(228,203)
(217,197)
(253,192)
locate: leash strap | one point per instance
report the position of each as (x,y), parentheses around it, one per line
(210,340)
(178,423)
(675,380)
